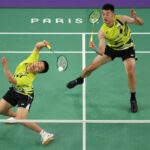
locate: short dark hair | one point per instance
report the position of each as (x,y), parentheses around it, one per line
(108,7)
(46,66)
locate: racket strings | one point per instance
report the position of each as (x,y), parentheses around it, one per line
(94,16)
(62,62)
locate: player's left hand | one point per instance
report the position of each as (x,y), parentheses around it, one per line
(4,61)
(133,13)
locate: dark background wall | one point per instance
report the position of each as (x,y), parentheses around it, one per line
(73,3)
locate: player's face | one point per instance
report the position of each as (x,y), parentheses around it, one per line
(108,16)
(37,67)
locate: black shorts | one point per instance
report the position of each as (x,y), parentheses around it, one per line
(124,54)
(14,98)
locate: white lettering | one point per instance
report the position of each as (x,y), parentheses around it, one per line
(78,20)
(33,20)
(59,20)
(46,20)
(56,20)
(69,20)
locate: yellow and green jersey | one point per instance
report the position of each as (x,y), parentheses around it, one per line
(119,35)
(24,78)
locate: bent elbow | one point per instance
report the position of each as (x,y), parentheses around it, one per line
(12,81)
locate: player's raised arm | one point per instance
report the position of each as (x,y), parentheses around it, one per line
(34,56)
(9,76)
(40,45)
(134,19)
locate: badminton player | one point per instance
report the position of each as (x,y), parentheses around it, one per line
(21,93)
(120,44)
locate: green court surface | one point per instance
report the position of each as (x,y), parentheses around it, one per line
(69,136)
(16,137)
(112,78)
(104,96)
(118,136)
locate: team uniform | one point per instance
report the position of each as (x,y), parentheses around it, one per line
(120,43)
(23,93)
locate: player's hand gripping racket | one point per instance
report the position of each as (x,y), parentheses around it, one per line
(61,61)
(94,17)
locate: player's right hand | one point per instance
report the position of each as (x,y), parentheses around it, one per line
(40,45)
(91,45)
(4,61)
(133,13)
(46,43)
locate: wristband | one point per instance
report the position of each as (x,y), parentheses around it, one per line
(95,49)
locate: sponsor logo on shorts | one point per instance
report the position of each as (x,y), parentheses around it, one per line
(28,106)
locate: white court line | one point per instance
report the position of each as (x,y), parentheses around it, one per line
(84,92)
(79,121)
(60,33)
(67,52)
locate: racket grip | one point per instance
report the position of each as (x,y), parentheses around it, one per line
(91,39)
(48,46)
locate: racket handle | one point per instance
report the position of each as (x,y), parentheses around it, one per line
(91,39)
(48,46)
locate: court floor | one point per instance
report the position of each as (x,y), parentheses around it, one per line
(104,96)
(69,136)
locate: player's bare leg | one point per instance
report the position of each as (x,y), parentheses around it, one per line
(97,62)
(22,115)
(130,69)
(5,108)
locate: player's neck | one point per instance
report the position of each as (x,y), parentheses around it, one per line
(110,24)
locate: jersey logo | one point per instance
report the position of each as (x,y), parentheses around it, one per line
(21,74)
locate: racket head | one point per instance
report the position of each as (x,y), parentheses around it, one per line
(94,16)
(62,62)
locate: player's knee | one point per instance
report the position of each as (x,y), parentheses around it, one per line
(131,73)
(20,118)
(21,113)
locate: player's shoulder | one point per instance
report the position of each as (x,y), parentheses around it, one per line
(117,17)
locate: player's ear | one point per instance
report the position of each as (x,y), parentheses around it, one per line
(113,14)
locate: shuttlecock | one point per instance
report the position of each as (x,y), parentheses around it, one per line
(60,69)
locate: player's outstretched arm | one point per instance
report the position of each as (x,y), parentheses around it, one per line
(40,45)
(9,76)
(101,47)
(134,19)
(137,20)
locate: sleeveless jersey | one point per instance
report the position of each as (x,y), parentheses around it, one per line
(119,35)
(24,78)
